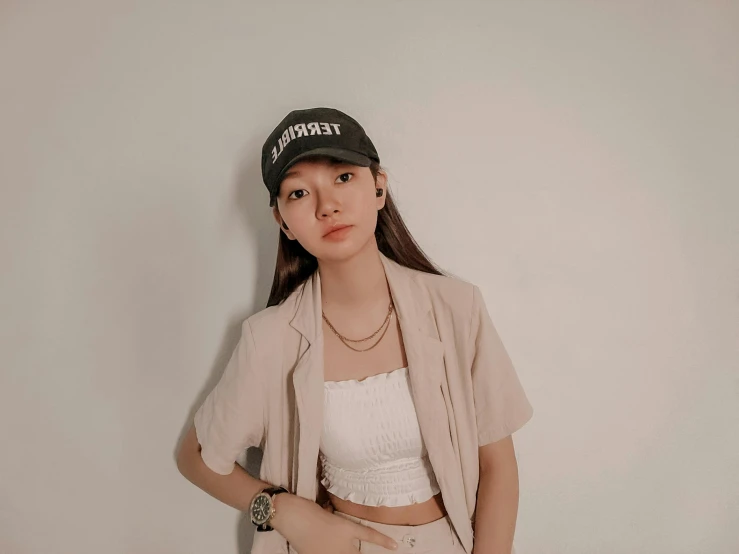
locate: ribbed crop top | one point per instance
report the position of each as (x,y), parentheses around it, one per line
(371,447)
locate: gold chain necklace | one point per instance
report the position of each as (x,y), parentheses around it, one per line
(343,339)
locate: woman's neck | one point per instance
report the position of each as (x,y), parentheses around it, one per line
(356,283)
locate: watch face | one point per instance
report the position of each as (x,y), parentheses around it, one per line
(261,508)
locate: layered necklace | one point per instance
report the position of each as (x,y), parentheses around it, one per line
(385,325)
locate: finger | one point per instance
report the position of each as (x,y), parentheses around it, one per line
(374,536)
(355,547)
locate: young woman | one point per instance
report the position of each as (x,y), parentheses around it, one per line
(376,385)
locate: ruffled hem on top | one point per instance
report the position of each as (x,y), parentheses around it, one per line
(372,499)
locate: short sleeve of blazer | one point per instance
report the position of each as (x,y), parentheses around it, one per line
(501,405)
(231,417)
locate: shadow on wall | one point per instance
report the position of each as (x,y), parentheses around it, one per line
(252,202)
(245,528)
(251,207)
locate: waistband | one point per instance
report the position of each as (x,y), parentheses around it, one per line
(417,537)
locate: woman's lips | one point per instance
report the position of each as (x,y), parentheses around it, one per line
(339,233)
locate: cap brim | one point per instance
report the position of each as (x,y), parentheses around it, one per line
(349,156)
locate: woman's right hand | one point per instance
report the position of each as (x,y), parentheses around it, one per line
(311,529)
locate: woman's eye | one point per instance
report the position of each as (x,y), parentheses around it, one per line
(344,178)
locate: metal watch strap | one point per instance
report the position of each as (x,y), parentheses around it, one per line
(272,491)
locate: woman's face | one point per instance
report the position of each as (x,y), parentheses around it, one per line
(315,195)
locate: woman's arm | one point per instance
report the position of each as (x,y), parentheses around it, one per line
(309,527)
(235,489)
(497,498)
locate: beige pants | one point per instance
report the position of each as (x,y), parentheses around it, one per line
(437,537)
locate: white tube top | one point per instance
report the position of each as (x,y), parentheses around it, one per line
(371,447)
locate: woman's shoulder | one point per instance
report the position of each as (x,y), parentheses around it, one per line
(449,290)
(268,319)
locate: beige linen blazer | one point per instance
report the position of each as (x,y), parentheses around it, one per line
(465,389)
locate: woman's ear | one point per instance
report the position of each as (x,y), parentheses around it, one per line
(281,223)
(276,214)
(381,189)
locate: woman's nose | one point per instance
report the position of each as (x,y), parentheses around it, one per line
(327,206)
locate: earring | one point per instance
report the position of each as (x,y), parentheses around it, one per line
(378,192)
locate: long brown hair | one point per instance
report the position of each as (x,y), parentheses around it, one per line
(295,264)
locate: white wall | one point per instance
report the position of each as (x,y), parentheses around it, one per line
(576,160)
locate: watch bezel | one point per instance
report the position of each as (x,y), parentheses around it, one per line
(253,504)
(270,493)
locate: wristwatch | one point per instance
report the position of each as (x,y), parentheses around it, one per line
(262,508)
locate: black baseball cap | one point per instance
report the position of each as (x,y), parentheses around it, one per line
(311,132)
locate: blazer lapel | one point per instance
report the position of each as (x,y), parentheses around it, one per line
(426,368)
(308,383)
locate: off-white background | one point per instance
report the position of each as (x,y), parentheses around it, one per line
(576,160)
